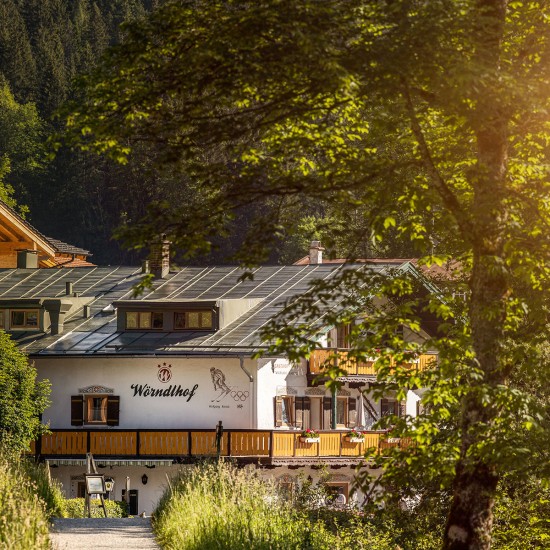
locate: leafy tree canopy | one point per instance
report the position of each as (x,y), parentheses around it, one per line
(22,398)
(431,119)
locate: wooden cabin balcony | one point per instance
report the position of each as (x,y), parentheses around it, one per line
(265,446)
(321,357)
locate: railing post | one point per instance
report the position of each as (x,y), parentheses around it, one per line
(189,442)
(271,444)
(138,442)
(38,448)
(334,407)
(219,435)
(88,441)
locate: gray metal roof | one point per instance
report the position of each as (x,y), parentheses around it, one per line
(104,285)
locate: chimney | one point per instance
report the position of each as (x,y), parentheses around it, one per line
(68,288)
(27,259)
(57,308)
(145,266)
(159,258)
(315,253)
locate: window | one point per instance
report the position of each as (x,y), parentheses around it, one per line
(346,412)
(292,411)
(337,492)
(389,406)
(286,490)
(193,320)
(144,320)
(341,412)
(2,322)
(287,411)
(343,333)
(95,409)
(340,336)
(81,489)
(27,319)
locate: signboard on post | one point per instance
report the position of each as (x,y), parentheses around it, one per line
(95,484)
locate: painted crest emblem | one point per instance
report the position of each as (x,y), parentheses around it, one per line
(164,373)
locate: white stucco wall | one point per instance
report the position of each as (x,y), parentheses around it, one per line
(201,407)
(274,376)
(148,495)
(412,400)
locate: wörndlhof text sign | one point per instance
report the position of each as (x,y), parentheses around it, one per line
(173,390)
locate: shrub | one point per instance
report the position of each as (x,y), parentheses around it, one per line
(115,508)
(23,520)
(22,399)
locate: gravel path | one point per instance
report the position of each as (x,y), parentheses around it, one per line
(99,533)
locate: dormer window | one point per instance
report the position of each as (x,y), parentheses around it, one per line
(193,320)
(24,319)
(173,315)
(144,320)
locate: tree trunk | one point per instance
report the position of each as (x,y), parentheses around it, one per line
(470,519)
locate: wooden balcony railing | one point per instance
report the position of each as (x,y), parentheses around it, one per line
(321,357)
(183,444)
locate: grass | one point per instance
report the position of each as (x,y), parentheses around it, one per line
(23,515)
(217,506)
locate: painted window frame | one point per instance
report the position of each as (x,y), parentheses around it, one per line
(25,325)
(202,314)
(143,315)
(88,409)
(345,410)
(343,485)
(385,403)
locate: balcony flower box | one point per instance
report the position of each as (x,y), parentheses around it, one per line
(310,436)
(355,436)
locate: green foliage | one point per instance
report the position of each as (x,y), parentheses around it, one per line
(219,506)
(522,513)
(115,508)
(23,520)
(430,120)
(22,398)
(47,489)
(20,148)
(44,45)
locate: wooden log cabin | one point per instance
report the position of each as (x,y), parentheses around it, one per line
(22,245)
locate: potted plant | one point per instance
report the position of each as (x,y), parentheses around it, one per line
(310,436)
(355,436)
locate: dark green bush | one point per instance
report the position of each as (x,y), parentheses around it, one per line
(115,508)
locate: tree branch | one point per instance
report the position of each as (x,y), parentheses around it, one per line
(449,198)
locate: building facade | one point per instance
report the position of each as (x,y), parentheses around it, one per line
(143,382)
